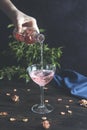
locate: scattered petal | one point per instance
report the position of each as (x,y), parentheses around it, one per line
(28,90)
(62,113)
(12,119)
(14,90)
(3,113)
(59,99)
(70,100)
(67,106)
(8,94)
(46,124)
(25,119)
(44,118)
(46,100)
(69,111)
(83,102)
(15,98)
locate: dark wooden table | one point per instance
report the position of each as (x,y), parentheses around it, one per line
(73,117)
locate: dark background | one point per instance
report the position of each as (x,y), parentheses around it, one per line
(65,24)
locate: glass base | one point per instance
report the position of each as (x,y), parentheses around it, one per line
(42,109)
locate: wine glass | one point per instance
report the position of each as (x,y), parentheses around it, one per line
(42,75)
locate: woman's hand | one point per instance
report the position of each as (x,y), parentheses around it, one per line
(21,20)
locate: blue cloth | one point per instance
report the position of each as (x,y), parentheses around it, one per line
(74,81)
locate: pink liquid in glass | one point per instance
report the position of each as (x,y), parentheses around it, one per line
(42,77)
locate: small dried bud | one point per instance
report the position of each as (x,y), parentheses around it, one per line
(3,113)
(12,119)
(46,124)
(46,100)
(70,100)
(69,111)
(8,94)
(25,119)
(83,102)
(15,90)
(62,113)
(44,118)
(67,106)
(28,90)
(59,99)
(15,98)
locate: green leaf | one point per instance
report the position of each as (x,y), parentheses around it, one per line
(26,55)
(10,25)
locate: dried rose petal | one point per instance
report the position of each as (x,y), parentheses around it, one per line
(46,100)
(67,106)
(44,118)
(3,113)
(12,119)
(62,113)
(8,94)
(69,111)
(70,100)
(59,99)
(15,98)
(46,124)
(14,89)
(25,119)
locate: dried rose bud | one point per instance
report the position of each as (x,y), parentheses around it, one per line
(3,113)
(8,94)
(14,89)
(25,119)
(46,100)
(62,113)
(44,118)
(28,90)
(70,112)
(83,101)
(15,98)
(70,100)
(46,124)
(67,106)
(59,99)
(12,119)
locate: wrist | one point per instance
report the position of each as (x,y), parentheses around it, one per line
(8,8)
(12,14)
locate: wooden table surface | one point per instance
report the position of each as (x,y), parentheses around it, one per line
(67,114)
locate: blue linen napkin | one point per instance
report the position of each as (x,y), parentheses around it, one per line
(74,81)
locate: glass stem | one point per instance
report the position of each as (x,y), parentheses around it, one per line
(42,95)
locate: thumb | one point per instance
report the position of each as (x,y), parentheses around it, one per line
(18,27)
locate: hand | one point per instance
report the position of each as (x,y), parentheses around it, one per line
(21,20)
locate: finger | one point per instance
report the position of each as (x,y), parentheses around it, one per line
(19,28)
(36,26)
(31,24)
(37,29)
(28,24)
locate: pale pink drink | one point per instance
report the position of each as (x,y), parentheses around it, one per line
(42,77)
